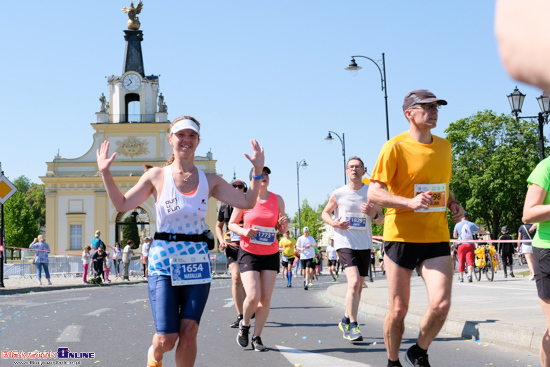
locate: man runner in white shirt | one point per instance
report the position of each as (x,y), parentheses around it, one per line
(353,238)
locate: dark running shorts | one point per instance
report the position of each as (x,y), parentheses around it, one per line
(409,255)
(307,263)
(232,253)
(170,304)
(290,261)
(360,258)
(332,262)
(541,257)
(253,262)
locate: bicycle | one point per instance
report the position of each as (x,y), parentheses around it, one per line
(485,262)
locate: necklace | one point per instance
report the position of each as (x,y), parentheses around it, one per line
(191,174)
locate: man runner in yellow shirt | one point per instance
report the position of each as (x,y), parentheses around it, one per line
(415,168)
(287,245)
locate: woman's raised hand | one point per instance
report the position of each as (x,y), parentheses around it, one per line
(257,158)
(103,160)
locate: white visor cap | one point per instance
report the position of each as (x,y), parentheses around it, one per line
(185,124)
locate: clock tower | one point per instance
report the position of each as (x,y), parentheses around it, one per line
(134,119)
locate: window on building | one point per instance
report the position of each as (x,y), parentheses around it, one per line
(76,236)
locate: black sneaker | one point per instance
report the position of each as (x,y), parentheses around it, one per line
(416,362)
(235,324)
(512,275)
(242,336)
(257,344)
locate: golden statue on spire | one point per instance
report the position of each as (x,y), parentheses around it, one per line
(133,20)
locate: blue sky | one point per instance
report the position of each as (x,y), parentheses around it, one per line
(273,71)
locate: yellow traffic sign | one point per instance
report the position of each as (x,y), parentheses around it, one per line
(7,189)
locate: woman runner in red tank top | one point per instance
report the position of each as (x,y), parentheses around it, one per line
(259,256)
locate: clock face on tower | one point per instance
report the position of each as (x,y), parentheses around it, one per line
(131,82)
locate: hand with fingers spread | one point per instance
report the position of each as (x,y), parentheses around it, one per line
(421,201)
(258,157)
(103,160)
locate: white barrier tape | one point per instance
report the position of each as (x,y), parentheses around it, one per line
(468,241)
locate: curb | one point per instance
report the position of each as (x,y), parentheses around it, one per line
(46,288)
(487,331)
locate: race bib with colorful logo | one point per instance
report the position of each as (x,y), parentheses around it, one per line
(265,235)
(190,269)
(356,220)
(439,195)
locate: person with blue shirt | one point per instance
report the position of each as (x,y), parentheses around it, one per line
(42,249)
(464,230)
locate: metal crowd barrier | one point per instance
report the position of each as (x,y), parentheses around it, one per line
(63,266)
(219,264)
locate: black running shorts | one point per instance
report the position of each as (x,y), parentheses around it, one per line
(409,255)
(359,258)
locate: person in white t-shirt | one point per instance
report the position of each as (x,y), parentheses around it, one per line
(86,258)
(126,257)
(145,254)
(353,215)
(331,257)
(306,244)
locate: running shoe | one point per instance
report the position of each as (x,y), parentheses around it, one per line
(310,284)
(242,336)
(532,277)
(333,279)
(416,362)
(257,344)
(469,278)
(355,334)
(235,324)
(461,280)
(512,275)
(150,360)
(345,330)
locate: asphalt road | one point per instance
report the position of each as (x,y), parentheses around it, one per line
(115,323)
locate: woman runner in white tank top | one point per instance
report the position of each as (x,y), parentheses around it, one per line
(177,188)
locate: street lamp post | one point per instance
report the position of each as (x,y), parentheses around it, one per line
(353,66)
(302,164)
(329,138)
(516,99)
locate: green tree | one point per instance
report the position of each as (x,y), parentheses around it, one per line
(130,231)
(491,166)
(20,224)
(311,218)
(23,184)
(36,200)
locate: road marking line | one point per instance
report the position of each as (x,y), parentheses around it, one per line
(308,359)
(137,301)
(230,303)
(97,312)
(70,334)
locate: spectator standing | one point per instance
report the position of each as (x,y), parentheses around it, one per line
(464,230)
(96,242)
(507,252)
(107,269)
(42,249)
(86,258)
(145,254)
(126,257)
(528,231)
(117,258)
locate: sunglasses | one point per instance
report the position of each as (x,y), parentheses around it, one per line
(238,186)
